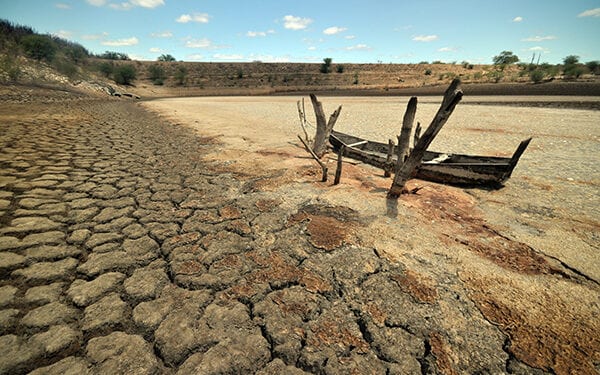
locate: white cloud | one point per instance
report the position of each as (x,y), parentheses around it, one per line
(194,57)
(359,47)
(198,43)
(121,42)
(96,3)
(350,37)
(447,49)
(296,23)
(164,34)
(254,34)
(590,13)
(63,34)
(518,19)
(196,17)
(62,6)
(231,57)
(425,38)
(312,48)
(94,36)
(538,38)
(334,30)
(539,49)
(155,50)
(121,6)
(147,3)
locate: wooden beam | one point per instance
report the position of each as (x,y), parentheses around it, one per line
(452,97)
(338,170)
(417,134)
(404,137)
(387,172)
(323,128)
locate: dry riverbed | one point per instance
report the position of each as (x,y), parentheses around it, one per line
(193,236)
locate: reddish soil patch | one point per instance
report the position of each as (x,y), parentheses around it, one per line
(442,354)
(417,286)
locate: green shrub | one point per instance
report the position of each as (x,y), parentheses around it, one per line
(157,74)
(106,68)
(10,67)
(593,66)
(355,82)
(326,66)
(166,58)
(65,67)
(340,69)
(240,73)
(110,55)
(505,58)
(537,75)
(180,75)
(428,72)
(39,47)
(124,74)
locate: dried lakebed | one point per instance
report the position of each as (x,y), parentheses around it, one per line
(129,243)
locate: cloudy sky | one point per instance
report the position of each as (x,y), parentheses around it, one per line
(370,31)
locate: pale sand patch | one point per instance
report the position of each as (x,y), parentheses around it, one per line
(551,202)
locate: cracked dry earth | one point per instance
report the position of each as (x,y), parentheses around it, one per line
(125,249)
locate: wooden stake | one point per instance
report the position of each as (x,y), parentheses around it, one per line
(390,154)
(404,137)
(323,166)
(338,170)
(323,128)
(417,134)
(302,116)
(452,97)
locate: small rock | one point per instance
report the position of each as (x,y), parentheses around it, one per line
(134,231)
(48,271)
(98,263)
(111,213)
(79,236)
(101,238)
(67,366)
(9,261)
(61,338)
(108,313)
(30,224)
(82,293)
(44,293)
(146,283)
(120,353)
(7,295)
(46,252)
(50,314)
(17,354)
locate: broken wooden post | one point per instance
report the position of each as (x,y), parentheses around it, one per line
(302,115)
(323,128)
(417,134)
(390,156)
(404,137)
(452,96)
(323,166)
(338,170)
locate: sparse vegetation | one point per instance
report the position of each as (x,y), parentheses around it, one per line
(124,74)
(326,66)
(340,68)
(157,74)
(180,75)
(428,72)
(505,58)
(593,66)
(537,75)
(165,58)
(39,47)
(355,82)
(110,55)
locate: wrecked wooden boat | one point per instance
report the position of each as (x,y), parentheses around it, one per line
(452,169)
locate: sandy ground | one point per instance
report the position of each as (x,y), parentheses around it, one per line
(527,254)
(551,202)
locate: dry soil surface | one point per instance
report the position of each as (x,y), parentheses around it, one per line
(200,241)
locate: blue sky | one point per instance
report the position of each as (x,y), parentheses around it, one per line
(307,31)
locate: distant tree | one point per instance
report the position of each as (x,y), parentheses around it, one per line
(124,74)
(505,58)
(157,74)
(166,58)
(593,66)
(326,66)
(428,72)
(180,75)
(110,55)
(537,75)
(340,69)
(39,47)
(571,60)
(106,68)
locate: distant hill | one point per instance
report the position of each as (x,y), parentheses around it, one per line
(28,57)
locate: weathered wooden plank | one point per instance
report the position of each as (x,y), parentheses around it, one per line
(452,97)
(323,127)
(390,157)
(338,170)
(404,137)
